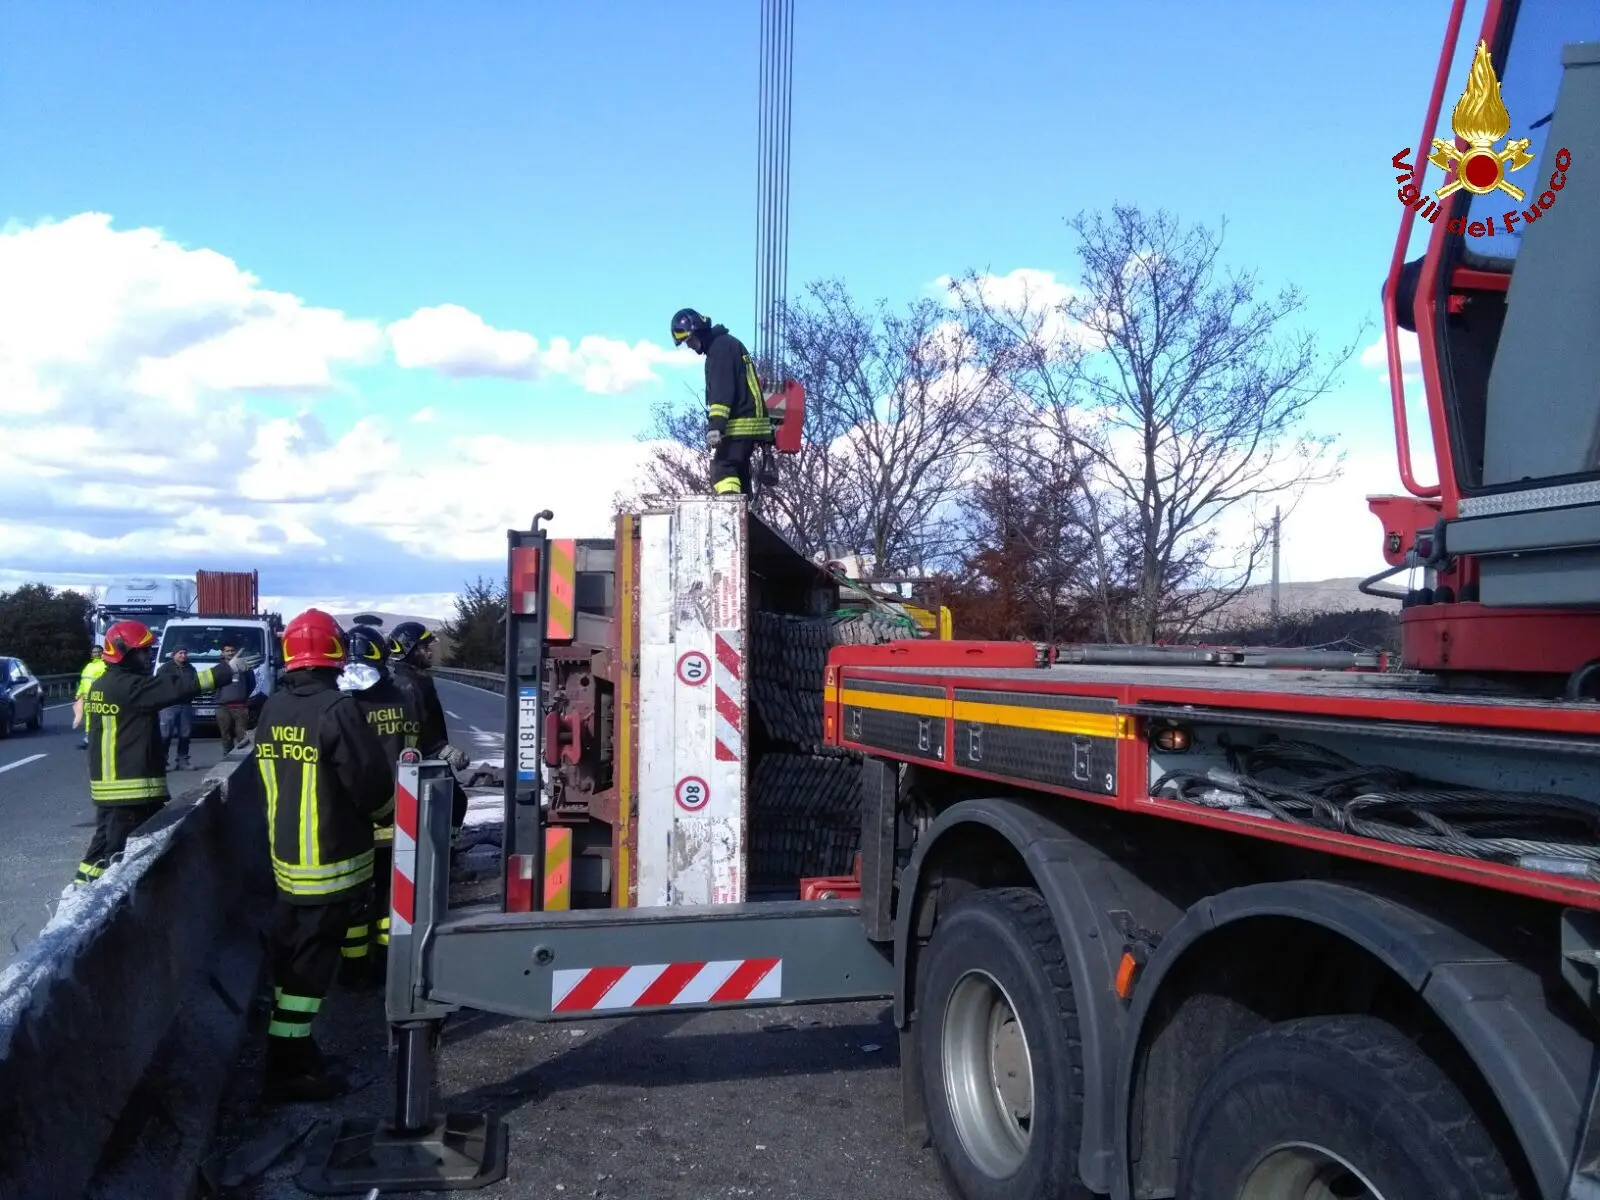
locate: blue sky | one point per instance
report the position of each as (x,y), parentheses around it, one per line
(573,170)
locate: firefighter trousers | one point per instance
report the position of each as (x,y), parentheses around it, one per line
(730,466)
(307,940)
(113,825)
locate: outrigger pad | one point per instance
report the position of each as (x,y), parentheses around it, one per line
(453,1153)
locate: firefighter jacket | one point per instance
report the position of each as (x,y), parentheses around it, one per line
(433,736)
(734,404)
(394,716)
(127,759)
(326,782)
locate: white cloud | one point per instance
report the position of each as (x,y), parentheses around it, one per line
(1376,358)
(105,316)
(460,344)
(130,367)
(1031,295)
(455,342)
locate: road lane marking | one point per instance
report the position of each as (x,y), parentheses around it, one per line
(456,715)
(21,762)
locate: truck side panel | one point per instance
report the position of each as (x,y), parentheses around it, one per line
(692,626)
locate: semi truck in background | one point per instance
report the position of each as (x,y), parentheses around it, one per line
(151,601)
(227,612)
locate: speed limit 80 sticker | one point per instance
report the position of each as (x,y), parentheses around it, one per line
(692,793)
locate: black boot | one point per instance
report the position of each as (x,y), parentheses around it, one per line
(300,1074)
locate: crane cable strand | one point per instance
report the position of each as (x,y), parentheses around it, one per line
(774,126)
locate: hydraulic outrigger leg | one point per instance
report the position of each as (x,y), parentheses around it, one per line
(416,1149)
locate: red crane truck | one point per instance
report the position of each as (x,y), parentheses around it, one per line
(1154,922)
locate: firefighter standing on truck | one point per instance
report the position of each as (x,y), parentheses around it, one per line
(394,717)
(736,412)
(326,783)
(127,756)
(410,656)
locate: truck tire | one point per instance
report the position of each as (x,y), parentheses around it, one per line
(1336,1106)
(1002,1068)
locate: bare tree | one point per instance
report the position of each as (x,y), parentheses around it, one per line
(908,404)
(899,413)
(1028,571)
(1182,399)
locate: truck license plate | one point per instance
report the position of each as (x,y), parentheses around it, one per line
(527,735)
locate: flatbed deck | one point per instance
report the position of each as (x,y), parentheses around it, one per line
(1398,768)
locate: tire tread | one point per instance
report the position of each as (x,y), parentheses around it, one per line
(1025,911)
(1385,1050)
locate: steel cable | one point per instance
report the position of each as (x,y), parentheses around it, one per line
(774,125)
(1326,790)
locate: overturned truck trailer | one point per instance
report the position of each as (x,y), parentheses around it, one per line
(676,677)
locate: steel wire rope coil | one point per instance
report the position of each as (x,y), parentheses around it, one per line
(1389,805)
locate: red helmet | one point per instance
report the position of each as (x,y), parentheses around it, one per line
(313,639)
(124,637)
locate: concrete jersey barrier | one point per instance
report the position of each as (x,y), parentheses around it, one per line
(119,1025)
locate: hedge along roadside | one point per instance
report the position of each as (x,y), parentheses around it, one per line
(120,1025)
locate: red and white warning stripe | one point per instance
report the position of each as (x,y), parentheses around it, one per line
(403,886)
(664,985)
(730,716)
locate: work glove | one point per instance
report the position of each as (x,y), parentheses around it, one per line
(713,439)
(457,759)
(244,662)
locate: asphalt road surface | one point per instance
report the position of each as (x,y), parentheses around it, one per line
(775,1104)
(475,719)
(46,820)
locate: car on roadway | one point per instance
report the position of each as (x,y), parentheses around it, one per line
(21,697)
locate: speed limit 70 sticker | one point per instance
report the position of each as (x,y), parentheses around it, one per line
(692,793)
(694,668)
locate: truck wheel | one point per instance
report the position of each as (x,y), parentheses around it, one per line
(1343,1107)
(997,1030)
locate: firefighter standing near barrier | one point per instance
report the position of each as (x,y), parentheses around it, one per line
(411,649)
(127,756)
(395,718)
(736,413)
(326,782)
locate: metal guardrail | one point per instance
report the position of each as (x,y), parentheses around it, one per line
(58,687)
(489,681)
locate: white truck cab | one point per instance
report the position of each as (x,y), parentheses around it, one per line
(204,637)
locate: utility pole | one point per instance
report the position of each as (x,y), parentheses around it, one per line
(1277,529)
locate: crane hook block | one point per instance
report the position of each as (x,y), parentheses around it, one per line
(787,408)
